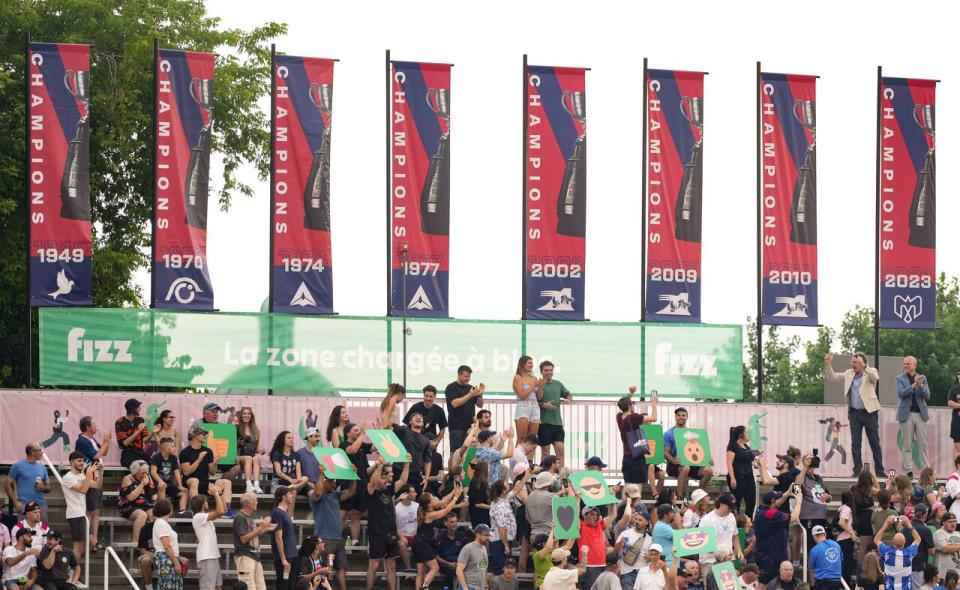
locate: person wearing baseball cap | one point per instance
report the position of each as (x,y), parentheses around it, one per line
(920,514)
(593,528)
(132,434)
(59,568)
(22,556)
(946,535)
(473,559)
(652,576)
(508,579)
(722,517)
(32,521)
(785,474)
(771,525)
(610,577)
(562,574)
(632,544)
(211,415)
(826,560)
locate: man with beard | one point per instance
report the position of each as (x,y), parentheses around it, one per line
(632,544)
(473,560)
(947,542)
(674,469)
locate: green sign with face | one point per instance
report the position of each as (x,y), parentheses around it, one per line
(695,540)
(389,446)
(693,446)
(222,439)
(566,517)
(726,576)
(592,488)
(335,462)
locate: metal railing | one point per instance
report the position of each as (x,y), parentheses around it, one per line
(110,553)
(86,520)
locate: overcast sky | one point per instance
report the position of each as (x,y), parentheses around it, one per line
(842,42)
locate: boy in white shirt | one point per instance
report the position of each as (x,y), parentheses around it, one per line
(75,486)
(208,553)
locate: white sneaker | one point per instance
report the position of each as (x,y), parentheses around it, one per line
(257,489)
(249,486)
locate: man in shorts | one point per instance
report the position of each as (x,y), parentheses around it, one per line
(674,469)
(382,522)
(199,463)
(325,505)
(76,482)
(634,469)
(551,395)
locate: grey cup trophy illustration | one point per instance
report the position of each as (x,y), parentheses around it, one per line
(435,197)
(803,205)
(689,207)
(196,186)
(75,182)
(572,202)
(923,219)
(316,193)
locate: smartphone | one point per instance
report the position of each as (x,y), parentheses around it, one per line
(796,489)
(892,473)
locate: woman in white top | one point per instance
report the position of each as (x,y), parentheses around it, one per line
(167,563)
(527,387)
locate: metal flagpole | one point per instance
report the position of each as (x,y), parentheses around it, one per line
(273,199)
(26,201)
(759,242)
(876,250)
(153,158)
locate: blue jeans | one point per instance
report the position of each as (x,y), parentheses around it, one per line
(627,580)
(498,556)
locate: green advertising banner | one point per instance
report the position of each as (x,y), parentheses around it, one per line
(222,439)
(323,355)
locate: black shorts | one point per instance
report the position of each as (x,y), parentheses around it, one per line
(634,469)
(382,547)
(549,434)
(94,498)
(78,529)
(673,470)
(768,571)
(954,429)
(358,501)
(423,552)
(203,485)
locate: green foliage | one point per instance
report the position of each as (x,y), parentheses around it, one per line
(792,375)
(121,132)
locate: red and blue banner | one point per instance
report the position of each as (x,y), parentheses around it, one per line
(908,223)
(420,188)
(58,133)
(674,195)
(301,267)
(184,95)
(555,193)
(788,176)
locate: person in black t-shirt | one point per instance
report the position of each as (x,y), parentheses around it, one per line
(198,463)
(165,467)
(382,522)
(953,401)
(145,551)
(462,402)
(357,451)
(740,460)
(434,419)
(59,568)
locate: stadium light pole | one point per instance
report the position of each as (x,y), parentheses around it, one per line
(404,248)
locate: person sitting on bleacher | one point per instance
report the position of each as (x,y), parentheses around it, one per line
(199,463)
(31,521)
(165,468)
(59,568)
(17,561)
(132,434)
(137,496)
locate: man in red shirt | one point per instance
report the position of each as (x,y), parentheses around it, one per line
(593,537)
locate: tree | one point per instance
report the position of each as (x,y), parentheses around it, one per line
(786,379)
(121,133)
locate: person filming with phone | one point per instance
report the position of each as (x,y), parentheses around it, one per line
(813,509)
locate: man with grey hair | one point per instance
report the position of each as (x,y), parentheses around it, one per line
(785,581)
(246,542)
(863,406)
(913,392)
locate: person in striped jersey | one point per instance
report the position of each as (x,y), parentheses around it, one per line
(898,557)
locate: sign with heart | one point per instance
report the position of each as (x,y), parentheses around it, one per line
(694,541)
(654,436)
(389,446)
(336,464)
(566,517)
(222,439)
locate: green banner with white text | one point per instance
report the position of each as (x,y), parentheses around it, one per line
(252,352)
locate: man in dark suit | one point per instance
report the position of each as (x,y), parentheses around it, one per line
(914,392)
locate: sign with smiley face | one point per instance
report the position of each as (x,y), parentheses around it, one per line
(654,436)
(726,576)
(694,541)
(336,463)
(389,446)
(566,517)
(592,488)
(693,446)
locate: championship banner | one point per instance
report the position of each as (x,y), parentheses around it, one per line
(302,272)
(788,117)
(674,195)
(555,193)
(908,223)
(420,188)
(184,96)
(61,246)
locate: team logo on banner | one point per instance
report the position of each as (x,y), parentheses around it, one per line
(674,195)
(420,188)
(59,136)
(183,138)
(788,117)
(556,192)
(908,222)
(302,267)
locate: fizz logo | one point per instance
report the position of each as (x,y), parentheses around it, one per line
(96,351)
(696,365)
